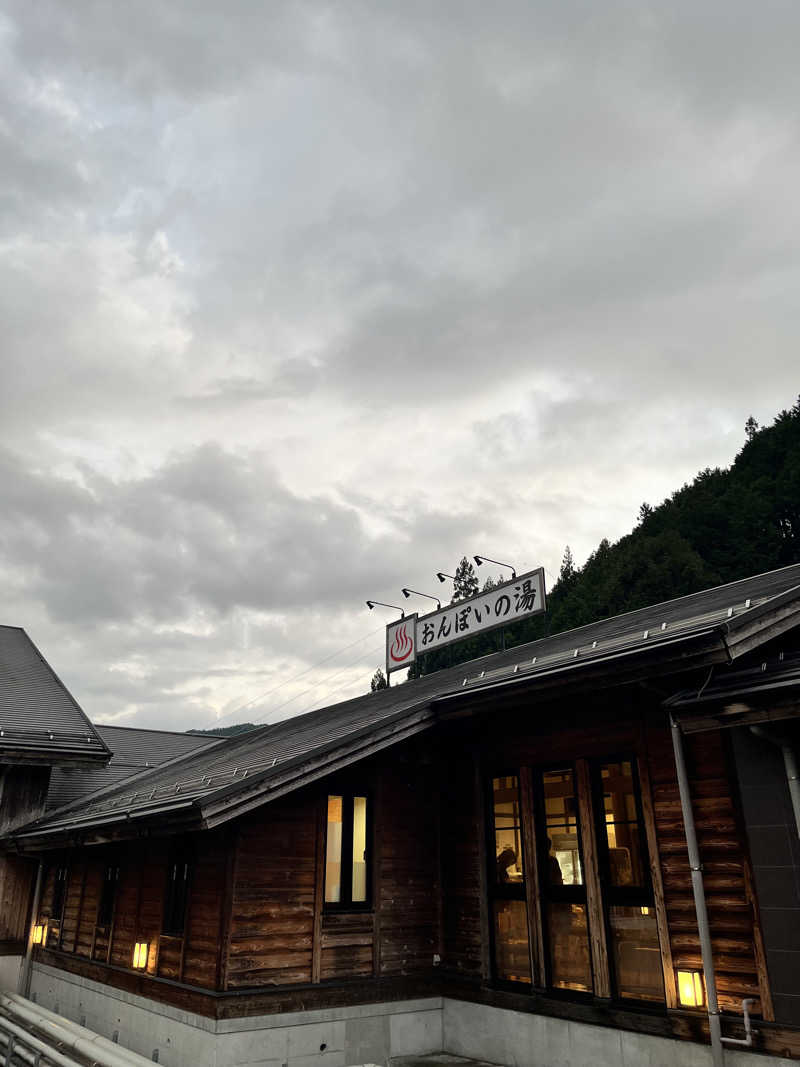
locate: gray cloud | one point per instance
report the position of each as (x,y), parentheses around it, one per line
(301,303)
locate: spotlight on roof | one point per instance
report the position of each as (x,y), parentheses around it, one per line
(485,559)
(442,576)
(407,593)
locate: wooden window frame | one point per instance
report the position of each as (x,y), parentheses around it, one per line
(346,903)
(611,895)
(573,894)
(180,854)
(505,890)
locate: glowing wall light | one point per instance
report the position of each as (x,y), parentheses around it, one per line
(691,989)
(40,934)
(140,955)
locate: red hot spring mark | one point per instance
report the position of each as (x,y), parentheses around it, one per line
(401,646)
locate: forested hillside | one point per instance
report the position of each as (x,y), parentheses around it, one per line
(726,524)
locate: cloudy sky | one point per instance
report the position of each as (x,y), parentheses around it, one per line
(302,302)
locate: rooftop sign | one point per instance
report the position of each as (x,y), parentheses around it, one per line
(518,599)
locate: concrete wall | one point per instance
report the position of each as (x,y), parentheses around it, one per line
(9,973)
(361,1035)
(335,1037)
(515,1039)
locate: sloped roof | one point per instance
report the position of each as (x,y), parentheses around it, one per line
(134,751)
(39,718)
(713,626)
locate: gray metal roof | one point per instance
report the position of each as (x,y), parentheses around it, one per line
(220,783)
(134,751)
(39,718)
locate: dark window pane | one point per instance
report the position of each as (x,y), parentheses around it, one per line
(564,865)
(359,850)
(59,892)
(511,954)
(570,966)
(177,894)
(106,910)
(507,830)
(626,853)
(637,956)
(333,852)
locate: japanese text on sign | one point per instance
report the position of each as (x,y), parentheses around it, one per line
(501,606)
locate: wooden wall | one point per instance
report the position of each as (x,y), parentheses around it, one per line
(192,958)
(732,911)
(461,881)
(280,933)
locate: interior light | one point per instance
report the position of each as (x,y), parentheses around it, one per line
(645,911)
(140,955)
(39,934)
(691,989)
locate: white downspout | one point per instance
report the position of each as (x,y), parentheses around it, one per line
(717,1051)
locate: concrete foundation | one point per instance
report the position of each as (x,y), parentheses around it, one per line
(367,1034)
(514,1039)
(334,1037)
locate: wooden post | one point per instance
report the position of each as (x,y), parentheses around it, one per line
(480,830)
(594,893)
(378,814)
(229,900)
(531,866)
(662,922)
(319,888)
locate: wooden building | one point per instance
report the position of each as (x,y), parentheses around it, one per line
(42,730)
(485,860)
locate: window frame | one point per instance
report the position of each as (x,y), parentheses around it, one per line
(109,885)
(180,854)
(346,902)
(568,894)
(612,895)
(505,890)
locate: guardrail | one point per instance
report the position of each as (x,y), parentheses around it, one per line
(32,1036)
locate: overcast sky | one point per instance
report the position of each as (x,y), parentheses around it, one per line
(302,302)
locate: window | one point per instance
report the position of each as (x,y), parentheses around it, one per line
(177,891)
(509,910)
(59,894)
(108,893)
(564,908)
(627,890)
(347,873)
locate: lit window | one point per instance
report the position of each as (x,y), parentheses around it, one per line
(511,946)
(140,955)
(347,851)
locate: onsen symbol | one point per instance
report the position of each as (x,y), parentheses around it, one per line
(402,646)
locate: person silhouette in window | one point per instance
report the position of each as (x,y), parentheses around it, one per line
(554,875)
(506,859)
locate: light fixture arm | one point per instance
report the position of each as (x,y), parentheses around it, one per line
(407,593)
(442,576)
(485,559)
(371,604)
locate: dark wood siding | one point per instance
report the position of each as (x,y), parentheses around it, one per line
(724,859)
(272,920)
(461,880)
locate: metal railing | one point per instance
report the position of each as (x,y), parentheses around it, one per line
(32,1036)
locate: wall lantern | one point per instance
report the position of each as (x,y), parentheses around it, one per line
(691,989)
(140,955)
(40,934)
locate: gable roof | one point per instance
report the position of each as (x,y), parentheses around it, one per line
(212,786)
(40,721)
(134,750)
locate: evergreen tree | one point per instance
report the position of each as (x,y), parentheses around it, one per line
(378,681)
(750,428)
(466,583)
